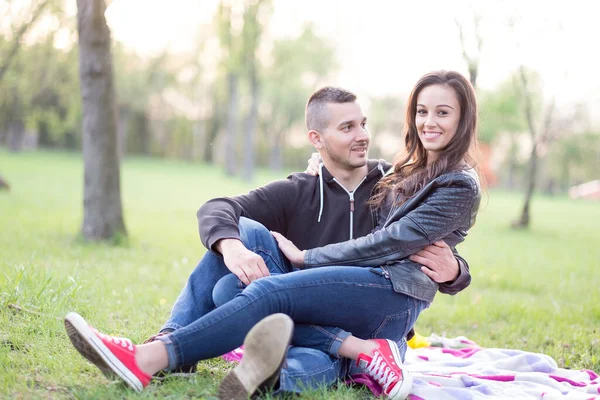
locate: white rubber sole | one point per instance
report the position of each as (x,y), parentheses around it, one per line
(402,389)
(265,347)
(91,347)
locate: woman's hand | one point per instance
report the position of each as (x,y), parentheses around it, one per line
(313,164)
(438,262)
(289,249)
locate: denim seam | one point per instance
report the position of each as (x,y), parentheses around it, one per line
(315,284)
(334,340)
(391,317)
(269,254)
(312,372)
(171,325)
(173,354)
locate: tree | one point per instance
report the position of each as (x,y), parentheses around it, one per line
(36,10)
(30,95)
(385,122)
(102,209)
(471,57)
(231,44)
(251,34)
(298,66)
(137,81)
(528,106)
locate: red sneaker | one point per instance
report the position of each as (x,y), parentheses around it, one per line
(114,356)
(385,366)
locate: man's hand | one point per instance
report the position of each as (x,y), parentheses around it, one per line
(289,249)
(313,164)
(243,263)
(439,262)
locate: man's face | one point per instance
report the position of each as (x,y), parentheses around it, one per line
(346,138)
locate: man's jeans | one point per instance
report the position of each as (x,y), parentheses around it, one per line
(305,368)
(313,361)
(196,298)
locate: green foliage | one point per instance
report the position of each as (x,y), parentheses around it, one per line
(534,290)
(298,66)
(572,160)
(502,110)
(45,99)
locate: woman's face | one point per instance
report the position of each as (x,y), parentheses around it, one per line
(437,118)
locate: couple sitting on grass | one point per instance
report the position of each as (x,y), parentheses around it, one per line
(378,241)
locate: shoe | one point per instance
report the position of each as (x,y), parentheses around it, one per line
(114,356)
(265,347)
(185,371)
(384,365)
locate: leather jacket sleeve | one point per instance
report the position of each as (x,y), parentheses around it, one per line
(461,282)
(445,211)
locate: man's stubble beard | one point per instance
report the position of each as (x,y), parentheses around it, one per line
(345,162)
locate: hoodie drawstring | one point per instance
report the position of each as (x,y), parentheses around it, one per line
(350,194)
(321,190)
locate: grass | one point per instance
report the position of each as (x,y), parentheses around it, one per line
(534,290)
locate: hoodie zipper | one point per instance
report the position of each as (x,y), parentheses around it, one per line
(351,197)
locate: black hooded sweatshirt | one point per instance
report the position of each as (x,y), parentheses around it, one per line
(311,211)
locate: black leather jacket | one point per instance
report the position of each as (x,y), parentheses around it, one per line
(445,209)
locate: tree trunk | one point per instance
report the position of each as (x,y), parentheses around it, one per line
(276,160)
(232,111)
(473,72)
(16,134)
(16,125)
(199,139)
(524,219)
(213,127)
(102,210)
(251,127)
(139,142)
(123,131)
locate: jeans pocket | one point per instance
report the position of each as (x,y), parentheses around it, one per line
(394,326)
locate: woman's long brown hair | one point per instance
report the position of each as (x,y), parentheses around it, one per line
(411,171)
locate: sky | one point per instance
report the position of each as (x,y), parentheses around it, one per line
(384,46)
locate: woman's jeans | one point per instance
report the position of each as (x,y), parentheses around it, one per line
(353,299)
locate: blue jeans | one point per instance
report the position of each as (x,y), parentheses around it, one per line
(358,300)
(196,298)
(211,285)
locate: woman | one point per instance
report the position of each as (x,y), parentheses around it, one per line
(433,194)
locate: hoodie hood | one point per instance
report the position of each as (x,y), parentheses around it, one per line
(376,170)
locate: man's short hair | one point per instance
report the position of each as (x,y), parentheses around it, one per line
(316,114)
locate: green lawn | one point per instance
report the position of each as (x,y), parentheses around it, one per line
(536,290)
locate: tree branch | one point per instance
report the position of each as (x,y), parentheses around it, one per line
(528,106)
(20,33)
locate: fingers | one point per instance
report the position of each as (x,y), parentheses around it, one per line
(313,164)
(431,273)
(262,267)
(241,274)
(426,252)
(430,264)
(277,235)
(441,244)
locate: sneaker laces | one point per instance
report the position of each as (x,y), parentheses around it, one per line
(379,370)
(123,342)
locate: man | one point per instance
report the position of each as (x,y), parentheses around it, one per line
(311,211)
